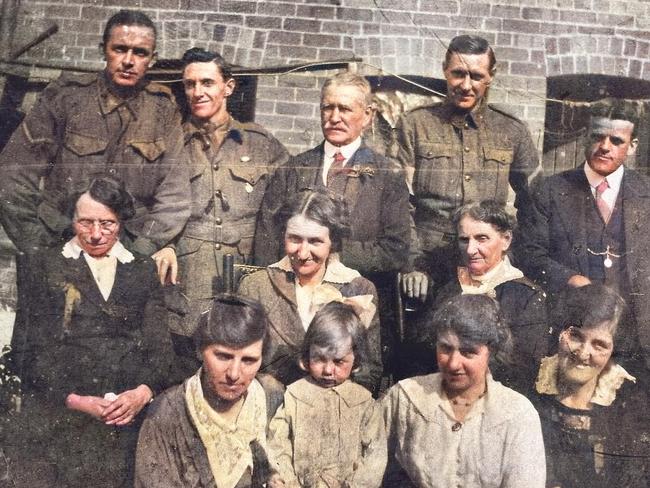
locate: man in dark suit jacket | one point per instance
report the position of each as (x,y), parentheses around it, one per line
(589,224)
(372,186)
(88,345)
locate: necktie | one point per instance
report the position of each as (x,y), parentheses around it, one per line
(336,167)
(603,208)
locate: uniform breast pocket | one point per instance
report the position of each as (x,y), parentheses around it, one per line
(140,168)
(497,162)
(84,144)
(250,184)
(434,169)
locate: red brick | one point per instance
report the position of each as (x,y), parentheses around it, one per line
(431,20)
(294,108)
(370,29)
(336,26)
(551,46)
(263,22)
(259,41)
(540,13)
(642,50)
(616,20)
(521,26)
(568,65)
(578,17)
(219,32)
(629,48)
(160,4)
(299,81)
(513,54)
(328,53)
(553,66)
(298,52)
(615,46)
(594,30)
(635,69)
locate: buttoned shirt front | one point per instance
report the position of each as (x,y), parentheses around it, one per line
(613,181)
(330,150)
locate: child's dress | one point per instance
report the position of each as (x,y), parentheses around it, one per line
(328,437)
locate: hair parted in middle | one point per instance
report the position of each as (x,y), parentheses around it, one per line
(488,211)
(108,191)
(475,320)
(332,326)
(232,321)
(321,207)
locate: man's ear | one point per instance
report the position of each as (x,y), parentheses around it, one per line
(154,58)
(230,87)
(632,147)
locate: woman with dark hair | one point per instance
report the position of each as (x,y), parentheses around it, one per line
(593,415)
(89,343)
(459,427)
(309,276)
(211,430)
(484,237)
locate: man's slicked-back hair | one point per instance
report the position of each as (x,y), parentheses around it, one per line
(200,55)
(347,78)
(617,109)
(128,17)
(108,191)
(232,321)
(468,44)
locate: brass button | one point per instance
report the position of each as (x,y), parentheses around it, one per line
(217,221)
(468,177)
(466,148)
(112,171)
(465,125)
(215,167)
(217,246)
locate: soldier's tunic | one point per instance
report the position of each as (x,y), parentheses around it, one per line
(229,170)
(78,131)
(452,159)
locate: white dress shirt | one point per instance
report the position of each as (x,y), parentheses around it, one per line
(330,150)
(614,180)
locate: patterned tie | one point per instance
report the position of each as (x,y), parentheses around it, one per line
(336,167)
(603,208)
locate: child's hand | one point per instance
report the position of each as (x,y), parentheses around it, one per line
(275,481)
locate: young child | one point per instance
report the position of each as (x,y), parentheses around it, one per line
(329,433)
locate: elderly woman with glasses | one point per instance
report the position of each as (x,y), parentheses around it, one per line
(594,417)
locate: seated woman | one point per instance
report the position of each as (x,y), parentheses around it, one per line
(211,430)
(460,427)
(309,276)
(90,344)
(583,395)
(484,237)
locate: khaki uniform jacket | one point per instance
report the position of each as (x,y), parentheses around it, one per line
(328,435)
(76,132)
(452,160)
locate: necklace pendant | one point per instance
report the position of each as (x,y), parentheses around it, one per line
(607,262)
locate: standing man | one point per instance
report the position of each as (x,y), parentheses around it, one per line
(461,151)
(230,166)
(373,188)
(589,224)
(114,123)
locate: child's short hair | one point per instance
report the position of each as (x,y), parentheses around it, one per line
(332,325)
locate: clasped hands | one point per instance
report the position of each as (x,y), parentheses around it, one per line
(118,411)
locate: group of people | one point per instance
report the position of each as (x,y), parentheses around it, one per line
(526,361)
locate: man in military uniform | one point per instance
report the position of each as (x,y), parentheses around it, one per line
(230,165)
(461,151)
(114,123)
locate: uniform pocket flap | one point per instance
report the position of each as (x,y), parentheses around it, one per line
(250,174)
(84,145)
(434,150)
(504,156)
(150,150)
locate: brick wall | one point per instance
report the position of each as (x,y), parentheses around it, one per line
(533,39)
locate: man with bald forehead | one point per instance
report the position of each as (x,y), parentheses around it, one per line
(589,224)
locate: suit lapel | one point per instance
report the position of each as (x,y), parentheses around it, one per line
(78,274)
(362,157)
(290,330)
(310,168)
(574,201)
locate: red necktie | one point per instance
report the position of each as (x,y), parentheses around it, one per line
(603,208)
(336,167)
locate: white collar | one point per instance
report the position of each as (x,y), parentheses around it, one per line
(347,151)
(72,250)
(336,271)
(614,179)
